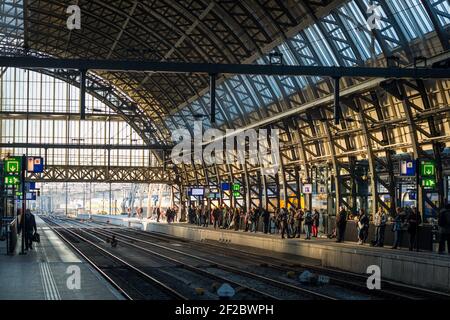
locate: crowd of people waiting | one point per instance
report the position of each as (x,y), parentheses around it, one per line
(290,223)
(287,222)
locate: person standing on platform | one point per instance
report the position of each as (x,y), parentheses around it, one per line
(414,220)
(191,214)
(273,223)
(363,226)
(283,218)
(223,217)
(266,220)
(277,220)
(316,223)
(308,224)
(444,229)
(236,218)
(158,214)
(216,217)
(341,224)
(291,222)
(299,217)
(30,228)
(379,221)
(204,218)
(397,228)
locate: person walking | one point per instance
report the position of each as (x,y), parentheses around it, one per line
(341,224)
(308,224)
(379,221)
(316,223)
(29,228)
(444,229)
(414,219)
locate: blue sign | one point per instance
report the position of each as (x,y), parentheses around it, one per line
(407,168)
(225,186)
(30,196)
(412,195)
(35,164)
(31,186)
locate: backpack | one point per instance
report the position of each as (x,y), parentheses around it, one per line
(308,218)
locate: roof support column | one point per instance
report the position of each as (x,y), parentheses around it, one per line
(83,94)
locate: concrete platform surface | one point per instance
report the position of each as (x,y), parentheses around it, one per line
(48,272)
(423,269)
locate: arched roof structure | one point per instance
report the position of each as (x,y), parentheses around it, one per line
(383,122)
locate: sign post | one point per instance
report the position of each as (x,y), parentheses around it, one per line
(24,203)
(425,178)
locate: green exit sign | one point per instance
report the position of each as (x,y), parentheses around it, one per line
(429,183)
(236,187)
(427,168)
(13,165)
(12,181)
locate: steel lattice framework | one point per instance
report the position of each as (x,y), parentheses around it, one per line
(382,119)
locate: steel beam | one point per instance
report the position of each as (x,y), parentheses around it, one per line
(84,146)
(212,68)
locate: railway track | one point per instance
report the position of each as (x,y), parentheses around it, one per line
(130,281)
(391,290)
(261,287)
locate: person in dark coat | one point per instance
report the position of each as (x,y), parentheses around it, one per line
(266,220)
(236,219)
(158,214)
(397,227)
(216,217)
(341,224)
(308,224)
(191,213)
(414,219)
(283,218)
(316,223)
(444,229)
(363,226)
(30,228)
(298,223)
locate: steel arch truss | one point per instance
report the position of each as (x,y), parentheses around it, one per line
(105,175)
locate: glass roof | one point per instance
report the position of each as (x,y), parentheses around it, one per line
(350,35)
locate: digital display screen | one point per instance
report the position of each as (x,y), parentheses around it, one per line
(197,191)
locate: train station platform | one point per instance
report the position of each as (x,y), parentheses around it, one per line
(423,269)
(48,273)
